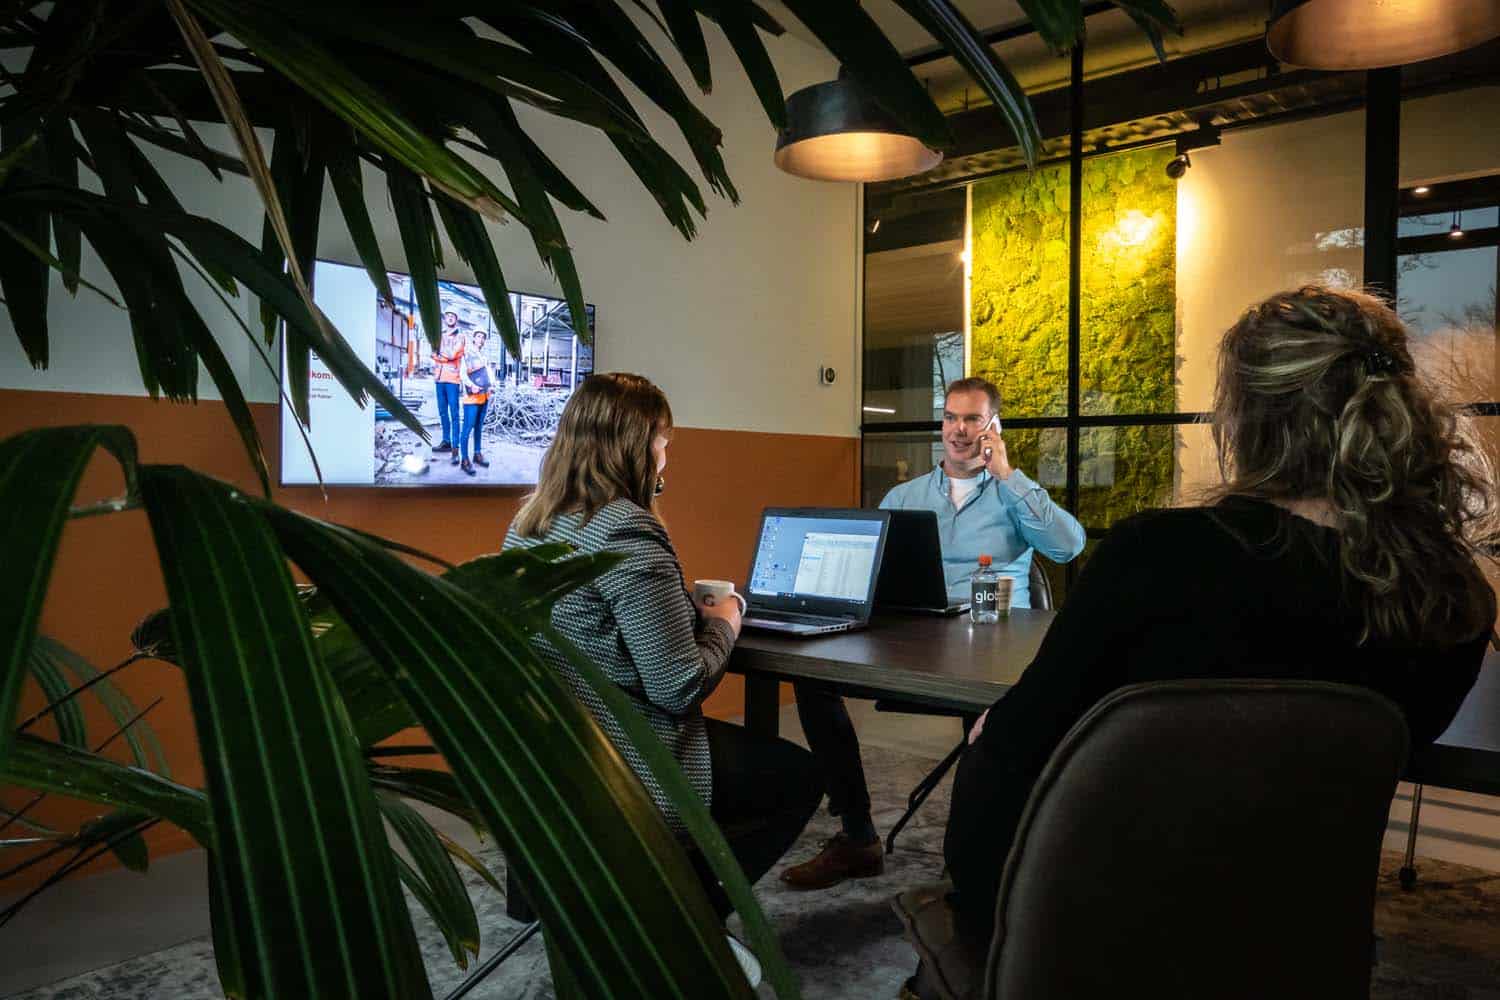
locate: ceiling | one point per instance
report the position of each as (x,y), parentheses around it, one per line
(1115,44)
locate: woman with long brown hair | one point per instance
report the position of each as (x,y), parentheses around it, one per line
(1341,547)
(597,492)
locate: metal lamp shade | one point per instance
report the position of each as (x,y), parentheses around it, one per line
(835,132)
(1369,34)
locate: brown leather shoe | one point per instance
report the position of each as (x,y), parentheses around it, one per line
(839,859)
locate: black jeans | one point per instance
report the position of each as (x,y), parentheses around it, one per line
(835,745)
(765,791)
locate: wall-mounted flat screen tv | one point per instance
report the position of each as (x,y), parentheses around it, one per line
(366,446)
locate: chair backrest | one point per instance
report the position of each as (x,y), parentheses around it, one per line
(1203,838)
(1041,586)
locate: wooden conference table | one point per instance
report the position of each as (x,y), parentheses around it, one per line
(939,662)
(953,664)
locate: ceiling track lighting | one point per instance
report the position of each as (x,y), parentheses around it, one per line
(1203,136)
(1370,34)
(835,131)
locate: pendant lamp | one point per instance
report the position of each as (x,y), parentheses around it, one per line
(1370,34)
(836,132)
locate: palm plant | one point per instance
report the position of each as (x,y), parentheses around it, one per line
(291,693)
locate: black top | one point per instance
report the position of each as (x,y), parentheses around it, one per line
(1242,589)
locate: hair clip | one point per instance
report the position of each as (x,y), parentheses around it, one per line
(1378,362)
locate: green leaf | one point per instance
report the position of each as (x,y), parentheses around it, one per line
(130,850)
(311,891)
(847,31)
(145,748)
(158,193)
(692,811)
(497,129)
(439,789)
(463,854)
(71,277)
(738,22)
(443,49)
(687,35)
(45,766)
(1059,23)
(615,36)
(323,77)
(286,168)
(1152,17)
(348,185)
(143,268)
(466,230)
(671,187)
(947,24)
(522,585)
(25,280)
(66,713)
(414,221)
(213,159)
(448,900)
(429,902)
(62,164)
(209,240)
(227,957)
(39,473)
(230,393)
(538,769)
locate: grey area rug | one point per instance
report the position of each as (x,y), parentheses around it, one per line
(1441,941)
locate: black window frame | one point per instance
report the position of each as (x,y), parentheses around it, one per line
(1385,204)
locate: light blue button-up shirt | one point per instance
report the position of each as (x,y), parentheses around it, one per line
(1006,519)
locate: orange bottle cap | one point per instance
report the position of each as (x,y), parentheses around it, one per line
(985,560)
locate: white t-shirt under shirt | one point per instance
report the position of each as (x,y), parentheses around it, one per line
(961,489)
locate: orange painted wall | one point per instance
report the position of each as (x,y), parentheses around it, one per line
(106,578)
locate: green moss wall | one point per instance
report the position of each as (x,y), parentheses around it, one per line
(1019,318)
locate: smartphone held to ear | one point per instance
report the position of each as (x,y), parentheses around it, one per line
(995,423)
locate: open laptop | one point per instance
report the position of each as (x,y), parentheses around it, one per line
(911,574)
(814,569)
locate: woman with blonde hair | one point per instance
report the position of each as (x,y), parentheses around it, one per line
(1341,547)
(597,492)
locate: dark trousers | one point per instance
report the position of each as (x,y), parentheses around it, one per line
(835,746)
(447,402)
(765,791)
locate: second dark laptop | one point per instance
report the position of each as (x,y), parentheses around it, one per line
(911,574)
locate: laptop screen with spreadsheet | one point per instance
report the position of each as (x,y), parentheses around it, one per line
(814,557)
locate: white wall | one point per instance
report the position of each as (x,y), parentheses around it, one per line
(733,325)
(1278,206)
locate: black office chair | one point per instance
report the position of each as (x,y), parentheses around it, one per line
(1041,600)
(1145,863)
(1466,758)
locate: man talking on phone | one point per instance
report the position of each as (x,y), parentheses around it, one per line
(984,506)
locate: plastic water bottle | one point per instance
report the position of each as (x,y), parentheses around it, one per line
(984,605)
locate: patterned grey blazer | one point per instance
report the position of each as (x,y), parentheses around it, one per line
(639,625)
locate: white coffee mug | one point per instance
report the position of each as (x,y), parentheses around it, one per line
(711,592)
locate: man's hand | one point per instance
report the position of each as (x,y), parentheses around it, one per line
(992,449)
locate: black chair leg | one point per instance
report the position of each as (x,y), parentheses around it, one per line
(924,788)
(1408,873)
(494,961)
